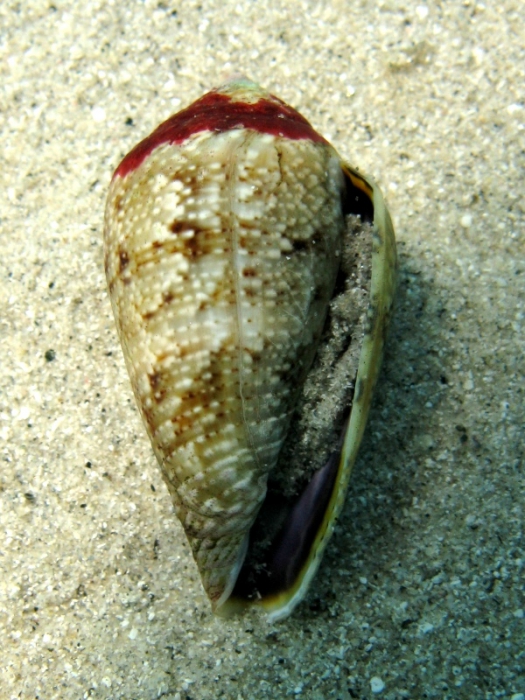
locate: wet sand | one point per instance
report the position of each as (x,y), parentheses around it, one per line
(421,591)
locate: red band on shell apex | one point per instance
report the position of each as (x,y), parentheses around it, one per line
(218,112)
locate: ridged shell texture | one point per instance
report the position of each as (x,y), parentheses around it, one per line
(221,256)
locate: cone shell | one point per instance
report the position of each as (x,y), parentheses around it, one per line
(223,238)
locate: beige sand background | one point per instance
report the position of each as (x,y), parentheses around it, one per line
(421,592)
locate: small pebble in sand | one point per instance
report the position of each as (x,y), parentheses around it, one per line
(466,220)
(377,685)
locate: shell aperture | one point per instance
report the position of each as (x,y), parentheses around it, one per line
(224,235)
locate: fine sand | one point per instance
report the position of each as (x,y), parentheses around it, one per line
(421,591)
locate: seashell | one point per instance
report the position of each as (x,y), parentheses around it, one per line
(251,273)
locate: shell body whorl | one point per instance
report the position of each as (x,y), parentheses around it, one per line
(223,238)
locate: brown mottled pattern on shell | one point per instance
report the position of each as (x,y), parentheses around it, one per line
(221,255)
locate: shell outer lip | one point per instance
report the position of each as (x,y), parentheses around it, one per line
(281,604)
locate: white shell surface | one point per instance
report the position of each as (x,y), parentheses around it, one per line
(221,256)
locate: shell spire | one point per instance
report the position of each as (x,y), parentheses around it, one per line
(223,238)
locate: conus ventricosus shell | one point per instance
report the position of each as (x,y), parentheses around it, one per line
(236,243)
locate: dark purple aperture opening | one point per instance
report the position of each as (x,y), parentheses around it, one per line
(218,112)
(357,201)
(292,546)
(283,561)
